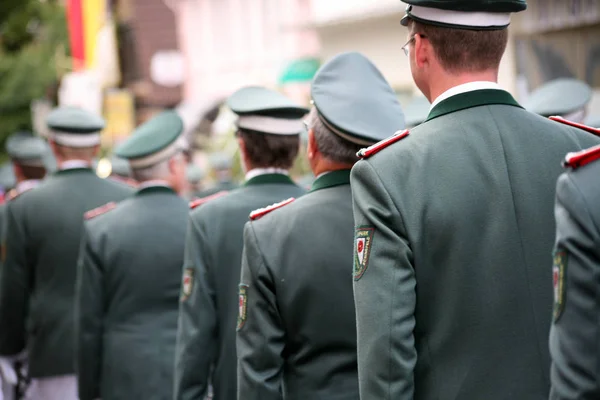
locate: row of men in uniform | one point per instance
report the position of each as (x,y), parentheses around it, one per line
(449,228)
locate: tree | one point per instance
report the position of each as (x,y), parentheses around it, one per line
(33,38)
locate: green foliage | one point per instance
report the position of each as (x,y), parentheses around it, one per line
(32,34)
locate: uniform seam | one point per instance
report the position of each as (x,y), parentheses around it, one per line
(521,245)
(390,366)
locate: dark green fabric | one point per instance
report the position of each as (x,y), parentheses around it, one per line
(331,179)
(219,187)
(37,285)
(574,336)
(455,301)
(214,241)
(467,100)
(299,335)
(128,297)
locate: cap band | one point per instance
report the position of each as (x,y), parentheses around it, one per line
(344,135)
(74,139)
(155,158)
(473,19)
(275,126)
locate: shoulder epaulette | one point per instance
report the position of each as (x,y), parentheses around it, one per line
(261,212)
(377,147)
(583,157)
(100,210)
(576,125)
(204,200)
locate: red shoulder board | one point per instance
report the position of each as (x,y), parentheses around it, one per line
(261,212)
(576,125)
(204,200)
(583,157)
(377,147)
(100,210)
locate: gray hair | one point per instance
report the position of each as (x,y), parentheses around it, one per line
(332,146)
(156,171)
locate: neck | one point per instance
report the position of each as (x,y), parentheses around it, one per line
(324,166)
(445,81)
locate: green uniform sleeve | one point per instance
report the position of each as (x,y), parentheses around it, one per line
(15,282)
(89,317)
(197,329)
(260,337)
(384,291)
(575,330)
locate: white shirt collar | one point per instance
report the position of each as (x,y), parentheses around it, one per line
(253,173)
(72,164)
(26,185)
(465,87)
(153,182)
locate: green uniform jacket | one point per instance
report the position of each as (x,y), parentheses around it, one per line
(128,297)
(219,187)
(455,223)
(37,286)
(297,328)
(574,335)
(208,313)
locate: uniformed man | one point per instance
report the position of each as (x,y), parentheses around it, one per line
(575,328)
(221,165)
(268,136)
(130,273)
(121,172)
(37,285)
(27,154)
(296,326)
(454,226)
(194,175)
(565,97)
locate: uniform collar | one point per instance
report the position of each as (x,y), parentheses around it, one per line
(331,179)
(154,186)
(464,88)
(74,164)
(469,99)
(268,178)
(264,171)
(26,185)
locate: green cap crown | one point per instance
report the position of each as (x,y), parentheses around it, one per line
(559,97)
(74,120)
(154,136)
(26,148)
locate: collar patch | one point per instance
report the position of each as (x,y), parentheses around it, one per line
(583,157)
(261,212)
(589,129)
(100,210)
(204,200)
(377,147)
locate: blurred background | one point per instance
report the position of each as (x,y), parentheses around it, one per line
(128,59)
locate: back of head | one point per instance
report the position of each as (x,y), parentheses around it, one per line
(29,155)
(354,107)
(269,125)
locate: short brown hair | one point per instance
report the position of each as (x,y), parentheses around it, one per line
(463,50)
(270,151)
(32,172)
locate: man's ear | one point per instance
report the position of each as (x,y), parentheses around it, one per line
(311,148)
(422,51)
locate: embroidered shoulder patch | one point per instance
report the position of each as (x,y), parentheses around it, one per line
(204,200)
(100,210)
(377,147)
(261,212)
(243,306)
(559,277)
(581,158)
(362,249)
(576,125)
(187,284)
